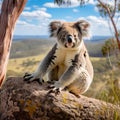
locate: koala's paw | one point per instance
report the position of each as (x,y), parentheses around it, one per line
(55,89)
(51,82)
(31,77)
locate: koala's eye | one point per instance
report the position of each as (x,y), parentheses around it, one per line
(74,35)
(85,54)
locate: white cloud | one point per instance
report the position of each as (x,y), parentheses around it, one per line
(43,9)
(19,22)
(51,5)
(36,14)
(75,10)
(91,2)
(33,22)
(27,8)
(30,29)
(96,9)
(99,25)
(98,20)
(35,6)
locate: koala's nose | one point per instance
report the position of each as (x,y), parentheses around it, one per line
(69,38)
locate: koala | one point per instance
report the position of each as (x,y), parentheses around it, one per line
(67,63)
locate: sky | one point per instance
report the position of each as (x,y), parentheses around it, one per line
(38,14)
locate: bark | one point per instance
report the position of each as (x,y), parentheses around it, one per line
(10,11)
(22,101)
(109,61)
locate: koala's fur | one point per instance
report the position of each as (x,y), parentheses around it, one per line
(68,62)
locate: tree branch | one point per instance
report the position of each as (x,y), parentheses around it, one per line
(32,102)
(114,11)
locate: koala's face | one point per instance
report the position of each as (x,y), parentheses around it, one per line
(69,35)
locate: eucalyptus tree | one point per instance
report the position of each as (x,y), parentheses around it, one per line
(108,48)
(110,11)
(9,13)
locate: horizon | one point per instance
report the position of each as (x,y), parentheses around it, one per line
(46,37)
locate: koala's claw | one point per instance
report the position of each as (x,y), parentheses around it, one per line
(40,81)
(57,91)
(54,90)
(51,82)
(30,77)
(27,77)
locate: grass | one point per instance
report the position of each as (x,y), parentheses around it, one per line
(18,66)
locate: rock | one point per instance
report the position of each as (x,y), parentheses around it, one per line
(22,101)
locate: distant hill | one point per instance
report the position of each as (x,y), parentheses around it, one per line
(38,37)
(29,37)
(24,46)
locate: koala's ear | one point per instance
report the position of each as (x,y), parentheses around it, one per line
(54,27)
(83,28)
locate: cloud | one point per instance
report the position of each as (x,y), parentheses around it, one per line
(99,25)
(33,22)
(51,5)
(74,3)
(41,13)
(27,8)
(91,2)
(75,10)
(30,29)
(102,26)
(97,20)
(96,9)
(21,22)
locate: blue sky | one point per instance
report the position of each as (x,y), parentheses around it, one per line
(37,15)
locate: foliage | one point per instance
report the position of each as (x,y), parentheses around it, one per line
(111,9)
(109,46)
(68,2)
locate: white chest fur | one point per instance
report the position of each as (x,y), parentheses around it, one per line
(64,56)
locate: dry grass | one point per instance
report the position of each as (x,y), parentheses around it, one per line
(18,66)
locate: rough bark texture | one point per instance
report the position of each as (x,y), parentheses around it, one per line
(22,101)
(11,9)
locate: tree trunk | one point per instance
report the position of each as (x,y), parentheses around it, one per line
(23,101)
(116,32)
(109,61)
(11,9)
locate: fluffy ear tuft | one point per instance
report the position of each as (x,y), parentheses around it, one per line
(83,27)
(53,27)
